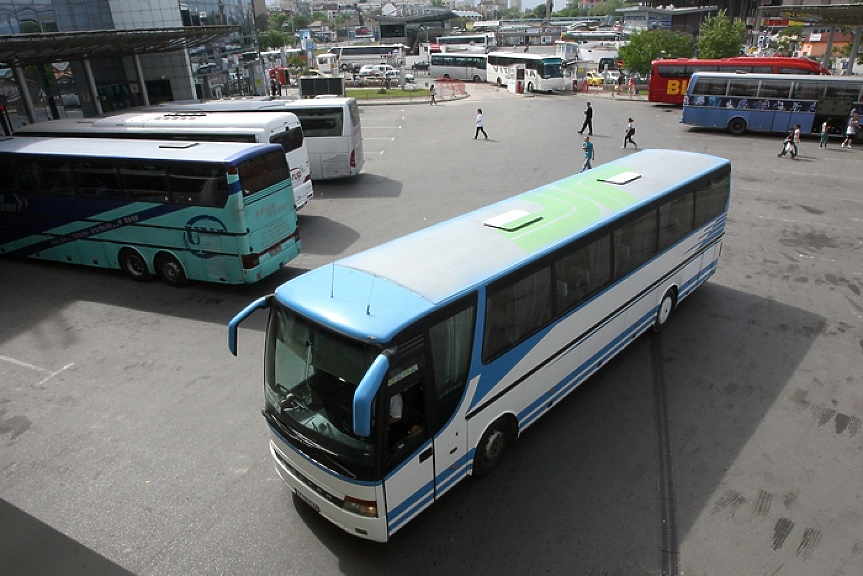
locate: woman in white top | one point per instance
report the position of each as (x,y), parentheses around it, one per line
(630,132)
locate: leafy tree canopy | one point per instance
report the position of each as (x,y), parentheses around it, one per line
(648,45)
(270,40)
(719,37)
(278,21)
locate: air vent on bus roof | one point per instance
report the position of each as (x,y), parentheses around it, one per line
(512,220)
(624,178)
(178,145)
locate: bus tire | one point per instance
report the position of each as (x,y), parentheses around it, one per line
(491,448)
(476,79)
(170,270)
(737,126)
(663,313)
(499,83)
(446,76)
(530,86)
(134,265)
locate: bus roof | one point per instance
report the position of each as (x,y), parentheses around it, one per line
(135,149)
(778,77)
(375,294)
(179,119)
(251,105)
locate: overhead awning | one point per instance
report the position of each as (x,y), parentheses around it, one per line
(26,49)
(833,15)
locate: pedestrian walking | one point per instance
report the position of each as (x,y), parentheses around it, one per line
(630,132)
(631,85)
(788,145)
(432,92)
(796,141)
(825,132)
(851,129)
(480,124)
(587,148)
(621,79)
(588,120)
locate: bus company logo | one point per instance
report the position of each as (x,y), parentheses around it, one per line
(12,203)
(192,234)
(677,86)
(271,210)
(296,174)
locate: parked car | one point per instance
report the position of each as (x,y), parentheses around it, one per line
(367,70)
(421,65)
(382,69)
(393,75)
(594,78)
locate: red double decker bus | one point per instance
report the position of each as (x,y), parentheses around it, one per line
(670,77)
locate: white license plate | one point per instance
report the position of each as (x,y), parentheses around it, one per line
(305,499)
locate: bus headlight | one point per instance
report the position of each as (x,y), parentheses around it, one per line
(361,507)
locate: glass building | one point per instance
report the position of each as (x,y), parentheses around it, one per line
(214,65)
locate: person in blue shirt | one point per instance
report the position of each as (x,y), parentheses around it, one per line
(587,148)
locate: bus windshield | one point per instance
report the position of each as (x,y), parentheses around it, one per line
(551,68)
(310,376)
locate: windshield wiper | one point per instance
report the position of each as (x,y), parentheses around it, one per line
(332,457)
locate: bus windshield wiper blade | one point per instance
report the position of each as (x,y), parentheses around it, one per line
(332,457)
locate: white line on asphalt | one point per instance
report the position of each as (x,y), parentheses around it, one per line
(50,373)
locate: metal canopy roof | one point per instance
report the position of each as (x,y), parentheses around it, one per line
(26,49)
(833,15)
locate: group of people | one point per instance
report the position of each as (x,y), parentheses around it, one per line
(587,145)
(621,80)
(790,145)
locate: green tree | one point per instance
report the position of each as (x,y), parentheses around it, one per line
(271,39)
(719,37)
(278,21)
(300,22)
(646,46)
(788,39)
(607,8)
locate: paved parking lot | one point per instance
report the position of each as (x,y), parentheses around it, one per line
(131,440)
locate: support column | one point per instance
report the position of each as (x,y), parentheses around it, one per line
(25,94)
(91,83)
(139,72)
(855,46)
(829,50)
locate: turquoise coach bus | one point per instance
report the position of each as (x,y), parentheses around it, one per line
(211,211)
(394,373)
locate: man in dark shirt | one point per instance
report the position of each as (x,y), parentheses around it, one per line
(588,121)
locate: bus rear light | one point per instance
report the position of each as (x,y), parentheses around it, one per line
(308,177)
(367,508)
(251,261)
(353,158)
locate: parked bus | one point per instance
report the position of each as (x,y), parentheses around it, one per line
(541,72)
(354,57)
(283,129)
(394,373)
(459,66)
(477,43)
(332,129)
(771,102)
(211,211)
(670,77)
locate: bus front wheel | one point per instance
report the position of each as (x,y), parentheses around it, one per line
(476,78)
(530,86)
(737,126)
(170,270)
(664,312)
(134,265)
(492,445)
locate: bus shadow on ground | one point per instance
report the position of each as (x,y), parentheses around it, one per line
(29,546)
(578,493)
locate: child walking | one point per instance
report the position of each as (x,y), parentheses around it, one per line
(480,125)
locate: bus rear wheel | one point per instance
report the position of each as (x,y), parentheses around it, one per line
(530,86)
(737,126)
(476,78)
(134,265)
(170,270)
(491,448)
(663,313)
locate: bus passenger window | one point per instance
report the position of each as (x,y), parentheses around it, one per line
(517,311)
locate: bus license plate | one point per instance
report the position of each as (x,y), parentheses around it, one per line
(306,499)
(276,250)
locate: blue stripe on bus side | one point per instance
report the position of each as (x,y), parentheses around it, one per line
(410,507)
(95,228)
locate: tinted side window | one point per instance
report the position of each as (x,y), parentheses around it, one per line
(515,311)
(675,220)
(634,243)
(582,273)
(711,199)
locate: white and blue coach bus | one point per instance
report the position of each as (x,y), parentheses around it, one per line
(394,373)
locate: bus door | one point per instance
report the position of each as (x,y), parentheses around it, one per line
(409,482)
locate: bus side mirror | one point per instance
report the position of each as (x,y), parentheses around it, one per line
(233,325)
(365,395)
